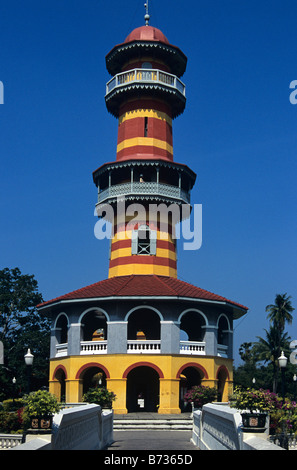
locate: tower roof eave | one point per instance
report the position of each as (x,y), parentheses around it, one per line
(123,52)
(135,162)
(150,286)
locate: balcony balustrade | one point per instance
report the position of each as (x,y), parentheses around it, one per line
(192,347)
(140,346)
(61,349)
(147,346)
(93,347)
(144,188)
(145,76)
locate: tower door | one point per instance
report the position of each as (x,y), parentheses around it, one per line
(142,390)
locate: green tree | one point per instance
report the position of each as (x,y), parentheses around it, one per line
(281,311)
(279,314)
(22,327)
(268,350)
(244,374)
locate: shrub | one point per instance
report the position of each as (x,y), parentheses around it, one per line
(201,395)
(100,396)
(41,403)
(255,400)
(281,414)
(13,404)
(10,422)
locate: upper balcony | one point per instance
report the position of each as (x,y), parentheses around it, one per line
(144,189)
(152,81)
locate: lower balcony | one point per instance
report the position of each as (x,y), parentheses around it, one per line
(140,347)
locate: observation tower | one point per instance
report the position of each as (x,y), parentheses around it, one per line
(124,332)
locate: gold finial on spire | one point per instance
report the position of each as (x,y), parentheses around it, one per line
(146,16)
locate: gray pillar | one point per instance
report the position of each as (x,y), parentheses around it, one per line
(117,337)
(74,339)
(210,339)
(170,337)
(55,334)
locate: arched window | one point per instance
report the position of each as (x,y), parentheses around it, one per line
(62,328)
(144,241)
(223,330)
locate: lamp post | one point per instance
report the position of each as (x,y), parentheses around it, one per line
(282,362)
(13,389)
(295,383)
(29,361)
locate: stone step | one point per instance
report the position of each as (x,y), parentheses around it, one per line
(157,424)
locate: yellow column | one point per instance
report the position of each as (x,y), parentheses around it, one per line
(118,386)
(55,388)
(73,390)
(169,396)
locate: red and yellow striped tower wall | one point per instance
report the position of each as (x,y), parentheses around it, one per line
(158,258)
(145,131)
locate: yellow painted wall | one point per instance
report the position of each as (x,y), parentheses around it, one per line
(117,364)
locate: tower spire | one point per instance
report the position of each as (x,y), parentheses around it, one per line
(146,16)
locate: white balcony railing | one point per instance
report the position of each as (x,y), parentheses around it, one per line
(150,76)
(192,347)
(147,346)
(141,346)
(145,188)
(93,347)
(61,349)
(222,350)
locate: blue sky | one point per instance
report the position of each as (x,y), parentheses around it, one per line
(238,133)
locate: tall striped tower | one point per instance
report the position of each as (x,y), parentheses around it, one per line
(144,334)
(145,94)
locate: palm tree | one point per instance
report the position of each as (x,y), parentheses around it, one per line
(280,312)
(267,350)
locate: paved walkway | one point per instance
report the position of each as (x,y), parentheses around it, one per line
(152,439)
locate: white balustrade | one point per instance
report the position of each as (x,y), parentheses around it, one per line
(61,349)
(192,347)
(141,346)
(93,347)
(222,350)
(146,346)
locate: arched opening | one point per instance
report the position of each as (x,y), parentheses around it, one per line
(142,390)
(92,377)
(191,326)
(222,377)
(189,377)
(94,326)
(62,329)
(60,377)
(223,336)
(144,324)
